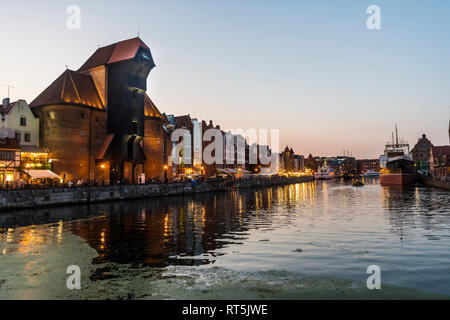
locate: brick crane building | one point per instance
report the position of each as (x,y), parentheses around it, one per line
(94,121)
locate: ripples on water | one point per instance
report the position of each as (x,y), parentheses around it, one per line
(298,241)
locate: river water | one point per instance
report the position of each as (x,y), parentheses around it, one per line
(311,240)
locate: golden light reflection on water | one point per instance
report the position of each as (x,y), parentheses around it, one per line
(179,227)
(189,223)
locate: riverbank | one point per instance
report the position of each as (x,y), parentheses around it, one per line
(46,197)
(431,182)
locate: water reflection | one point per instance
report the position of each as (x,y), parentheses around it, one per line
(411,207)
(194,230)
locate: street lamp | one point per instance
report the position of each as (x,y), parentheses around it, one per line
(165,172)
(103,167)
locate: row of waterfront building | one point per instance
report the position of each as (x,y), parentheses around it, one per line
(430,159)
(98,125)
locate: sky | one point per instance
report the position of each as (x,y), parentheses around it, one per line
(311,69)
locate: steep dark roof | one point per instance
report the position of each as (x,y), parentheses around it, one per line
(7,109)
(150,110)
(183,122)
(73,88)
(120,51)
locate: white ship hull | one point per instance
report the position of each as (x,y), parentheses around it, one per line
(322,176)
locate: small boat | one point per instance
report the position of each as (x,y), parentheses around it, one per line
(357,182)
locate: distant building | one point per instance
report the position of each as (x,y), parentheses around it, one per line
(299,163)
(19,122)
(197,150)
(183,122)
(211,169)
(364,165)
(9,160)
(287,159)
(311,163)
(340,165)
(383,160)
(421,154)
(440,162)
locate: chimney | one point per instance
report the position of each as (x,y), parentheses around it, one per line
(210,123)
(5,102)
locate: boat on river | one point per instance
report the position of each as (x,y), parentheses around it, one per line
(358,181)
(398,168)
(324,173)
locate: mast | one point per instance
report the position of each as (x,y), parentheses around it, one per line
(9,88)
(396,135)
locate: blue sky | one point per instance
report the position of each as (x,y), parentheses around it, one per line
(310,68)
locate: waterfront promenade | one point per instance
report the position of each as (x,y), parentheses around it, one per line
(44,197)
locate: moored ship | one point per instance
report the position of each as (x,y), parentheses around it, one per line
(398,167)
(324,173)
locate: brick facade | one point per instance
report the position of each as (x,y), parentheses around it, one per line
(73,135)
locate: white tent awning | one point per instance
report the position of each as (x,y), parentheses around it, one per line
(42,174)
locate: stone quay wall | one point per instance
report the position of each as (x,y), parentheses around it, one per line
(435,183)
(45,197)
